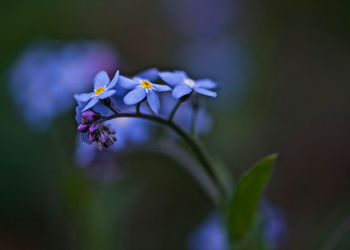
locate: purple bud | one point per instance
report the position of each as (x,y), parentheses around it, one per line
(83,127)
(92,137)
(109,142)
(103,137)
(93,127)
(89,116)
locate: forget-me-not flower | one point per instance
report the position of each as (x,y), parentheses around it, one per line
(183,85)
(210,235)
(47,73)
(102,89)
(275,225)
(143,87)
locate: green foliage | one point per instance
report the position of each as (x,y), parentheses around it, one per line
(244,203)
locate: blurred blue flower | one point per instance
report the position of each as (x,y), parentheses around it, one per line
(203,122)
(102,90)
(46,74)
(130,131)
(210,235)
(275,228)
(100,165)
(142,87)
(226,59)
(183,85)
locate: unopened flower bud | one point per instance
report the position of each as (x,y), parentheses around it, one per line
(92,137)
(89,116)
(83,127)
(93,127)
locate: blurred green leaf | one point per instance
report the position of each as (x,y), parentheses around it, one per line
(243,206)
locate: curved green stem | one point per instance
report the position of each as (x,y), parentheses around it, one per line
(202,158)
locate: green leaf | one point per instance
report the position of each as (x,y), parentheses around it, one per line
(246,197)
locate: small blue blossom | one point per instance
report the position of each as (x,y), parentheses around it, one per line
(130,131)
(142,87)
(210,235)
(46,74)
(183,85)
(275,226)
(102,89)
(99,165)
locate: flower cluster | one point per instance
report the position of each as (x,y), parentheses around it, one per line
(96,132)
(47,73)
(115,98)
(211,234)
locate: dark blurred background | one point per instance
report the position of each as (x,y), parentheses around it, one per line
(284,69)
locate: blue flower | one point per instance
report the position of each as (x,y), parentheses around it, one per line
(183,85)
(130,131)
(143,87)
(102,90)
(275,225)
(210,235)
(46,74)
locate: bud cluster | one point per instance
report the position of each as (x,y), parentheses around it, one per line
(98,132)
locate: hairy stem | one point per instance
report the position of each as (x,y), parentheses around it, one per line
(187,138)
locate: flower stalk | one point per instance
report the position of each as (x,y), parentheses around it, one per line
(201,157)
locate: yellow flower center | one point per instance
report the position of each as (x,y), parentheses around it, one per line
(99,90)
(146,84)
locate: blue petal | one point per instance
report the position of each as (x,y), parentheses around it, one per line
(102,109)
(205,92)
(107,94)
(114,80)
(135,96)
(91,103)
(206,84)
(153,101)
(83,97)
(181,90)
(101,79)
(78,114)
(127,82)
(173,78)
(161,88)
(84,138)
(149,74)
